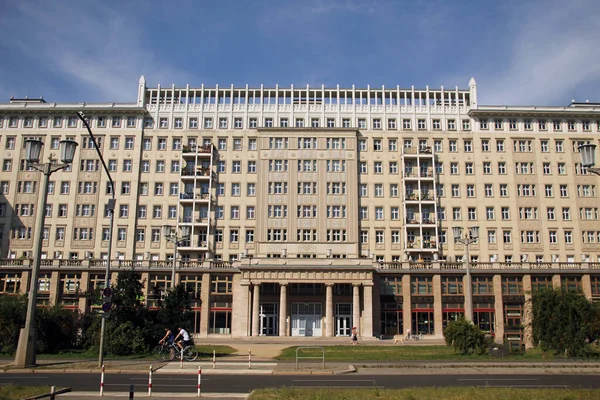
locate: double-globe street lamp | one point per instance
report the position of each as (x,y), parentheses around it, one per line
(170,234)
(26,354)
(467,240)
(588,157)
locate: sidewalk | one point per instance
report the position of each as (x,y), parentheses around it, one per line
(155,395)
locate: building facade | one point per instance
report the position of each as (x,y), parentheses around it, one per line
(309,209)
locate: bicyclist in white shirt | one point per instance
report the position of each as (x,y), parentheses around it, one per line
(185,338)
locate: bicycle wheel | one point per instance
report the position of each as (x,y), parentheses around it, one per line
(190,353)
(161,352)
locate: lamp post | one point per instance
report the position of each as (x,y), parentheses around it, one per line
(467,240)
(170,233)
(588,157)
(26,355)
(110,206)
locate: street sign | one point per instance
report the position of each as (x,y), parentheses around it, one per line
(106,307)
(107,292)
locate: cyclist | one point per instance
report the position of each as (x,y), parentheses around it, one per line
(185,338)
(168,338)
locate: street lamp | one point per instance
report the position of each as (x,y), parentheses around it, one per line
(110,207)
(588,157)
(27,338)
(467,240)
(170,233)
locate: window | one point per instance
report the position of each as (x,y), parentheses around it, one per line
(453,147)
(503,190)
(500,145)
(489,191)
(489,213)
(559,146)
(470,190)
(563,191)
(498,124)
(208,123)
(544,146)
(437,146)
(391,123)
(468,145)
(502,168)
(451,125)
(421,124)
(406,124)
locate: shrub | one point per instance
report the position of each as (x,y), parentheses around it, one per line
(124,339)
(465,337)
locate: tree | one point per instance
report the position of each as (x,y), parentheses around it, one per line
(563,322)
(465,337)
(12,319)
(174,310)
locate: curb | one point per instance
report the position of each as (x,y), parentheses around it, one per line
(42,396)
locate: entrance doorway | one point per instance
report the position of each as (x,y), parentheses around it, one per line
(269,319)
(343,319)
(306,319)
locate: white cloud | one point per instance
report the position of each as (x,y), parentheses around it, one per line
(90,44)
(555,52)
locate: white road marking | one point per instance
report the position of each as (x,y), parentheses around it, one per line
(499,379)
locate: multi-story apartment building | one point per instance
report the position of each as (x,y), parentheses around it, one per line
(310,210)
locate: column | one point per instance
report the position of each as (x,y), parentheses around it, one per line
(329,332)
(205,311)
(55,288)
(498,309)
(438,314)
(527,313)
(367,321)
(556,281)
(356,306)
(377,307)
(586,285)
(406,304)
(255,309)
(240,315)
(283,309)
(24,285)
(84,283)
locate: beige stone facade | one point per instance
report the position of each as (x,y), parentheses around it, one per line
(311,209)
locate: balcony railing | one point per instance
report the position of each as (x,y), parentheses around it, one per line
(116,264)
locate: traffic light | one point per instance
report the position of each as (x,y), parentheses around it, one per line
(106,299)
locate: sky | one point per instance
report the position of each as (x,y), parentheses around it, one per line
(520,52)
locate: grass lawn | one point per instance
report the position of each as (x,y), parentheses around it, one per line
(396,353)
(204,351)
(14,392)
(466,393)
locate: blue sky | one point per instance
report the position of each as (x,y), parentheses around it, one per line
(544,52)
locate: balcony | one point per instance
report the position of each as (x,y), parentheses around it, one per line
(196,149)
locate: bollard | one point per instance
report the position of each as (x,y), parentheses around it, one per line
(131,392)
(52,392)
(150,382)
(199,380)
(102,381)
(249,359)
(214,360)
(181,360)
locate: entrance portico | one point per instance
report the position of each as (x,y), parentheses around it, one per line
(305,301)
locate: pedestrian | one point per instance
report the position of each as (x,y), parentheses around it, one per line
(354,336)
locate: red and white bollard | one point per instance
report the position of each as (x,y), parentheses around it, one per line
(150,382)
(214,360)
(102,381)
(249,359)
(199,380)
(181,360)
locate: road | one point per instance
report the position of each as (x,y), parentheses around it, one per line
(245,383)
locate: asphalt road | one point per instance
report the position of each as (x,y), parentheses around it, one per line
(245,383)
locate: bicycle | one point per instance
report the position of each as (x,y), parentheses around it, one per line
(170,352)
